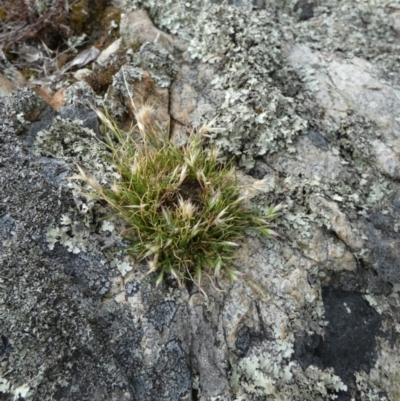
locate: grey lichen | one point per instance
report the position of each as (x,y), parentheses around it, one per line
(162,314)
(50,310)
(260,377)
(71,141)
(153,58)
(257,118)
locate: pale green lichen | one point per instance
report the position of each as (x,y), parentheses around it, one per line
(256,118)
(366,391)
(155,60)
(71,141)
(71,235)
(263,377)
(74,143)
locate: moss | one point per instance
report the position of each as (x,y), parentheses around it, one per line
(27,73)
(135,47)
(111,14)
(102,78)
(64,59)
(3,14)
(80,16)
(94,17)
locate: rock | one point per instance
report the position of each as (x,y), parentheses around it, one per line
(305,351)
(314,315)
(387,159)
(88,118)
(395,20)
(338,220)
(79,95)
(109,51)
(187,96)
(137,28)
(309,161)
(144,91)
(318,140)
(385,247)
(350,87)
(10,77)
(81,74)
(327,251)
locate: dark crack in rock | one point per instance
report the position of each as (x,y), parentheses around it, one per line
(362,280)
(243,341)
(348,281)
(6,348)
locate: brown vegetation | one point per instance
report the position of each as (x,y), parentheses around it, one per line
(47,27)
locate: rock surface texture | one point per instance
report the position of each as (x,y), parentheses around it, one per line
(305,94)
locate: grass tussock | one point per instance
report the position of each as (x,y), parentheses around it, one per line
(184,209)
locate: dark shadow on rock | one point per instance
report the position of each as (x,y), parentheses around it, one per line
(88,118)
(305,351)
(349,343)
(385,246)
(246,338)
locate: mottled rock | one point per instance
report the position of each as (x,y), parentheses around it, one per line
(395,21)
(327,251)
(132,83)
(162,314)
(109,51)
(385,247)
(10,77)
(342,87)
(338,220)
(87,118)
(309,161)
(305,351)
(137,28)
(318,140)
(80,320)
